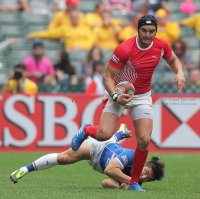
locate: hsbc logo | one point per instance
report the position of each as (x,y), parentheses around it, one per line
(29,125)
(47,122)
(175,123)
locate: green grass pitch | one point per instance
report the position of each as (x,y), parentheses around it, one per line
(80,181)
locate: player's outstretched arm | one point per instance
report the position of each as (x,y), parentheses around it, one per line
(176,66)
(114,171)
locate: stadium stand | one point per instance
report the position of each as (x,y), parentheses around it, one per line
(87,6)
(19,24)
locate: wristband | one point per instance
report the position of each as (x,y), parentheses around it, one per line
(115,96)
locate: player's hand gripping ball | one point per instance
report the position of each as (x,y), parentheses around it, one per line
(125,88)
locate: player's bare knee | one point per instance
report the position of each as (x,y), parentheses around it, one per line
(103,134)
(62,159)
(143,142)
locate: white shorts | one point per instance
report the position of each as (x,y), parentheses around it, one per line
(140,106)
(96,150)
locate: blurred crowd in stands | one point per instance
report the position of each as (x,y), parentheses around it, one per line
(95,32)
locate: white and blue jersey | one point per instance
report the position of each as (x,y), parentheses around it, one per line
(102,153)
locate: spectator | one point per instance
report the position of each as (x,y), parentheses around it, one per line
(180,47)
(38,67)
(95,18)
(145,9)
(76,36)
(63,17)
(151,6)
(94,84)
(167,30)
(194,76)
(13,5)
(188,7)
(19,84)
(43,7)
(132,29)
(8,42)
(160,4)
(193,22)
(65,72)
(121,6)
(95,54)
(106,36)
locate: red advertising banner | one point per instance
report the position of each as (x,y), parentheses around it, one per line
(47,122)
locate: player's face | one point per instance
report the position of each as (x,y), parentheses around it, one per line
(147,34)
(146,175)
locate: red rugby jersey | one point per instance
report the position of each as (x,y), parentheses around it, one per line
(137,64)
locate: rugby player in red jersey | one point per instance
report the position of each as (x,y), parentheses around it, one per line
(134,60)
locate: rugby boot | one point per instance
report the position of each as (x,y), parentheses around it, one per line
(135,187)
(79,137)
(125,132)
(16,175)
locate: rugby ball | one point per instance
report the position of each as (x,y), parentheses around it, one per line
(125,88)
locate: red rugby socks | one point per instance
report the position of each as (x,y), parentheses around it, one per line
(91,131)
(139,161)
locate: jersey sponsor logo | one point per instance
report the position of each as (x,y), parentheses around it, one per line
(125,160)
(115,58)
(155,57)
(149,22)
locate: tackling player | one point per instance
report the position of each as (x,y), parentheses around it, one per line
(134,60)
(106,157)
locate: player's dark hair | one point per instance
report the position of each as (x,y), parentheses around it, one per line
(157,167)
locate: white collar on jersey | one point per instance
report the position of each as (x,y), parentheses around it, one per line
(143,48)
